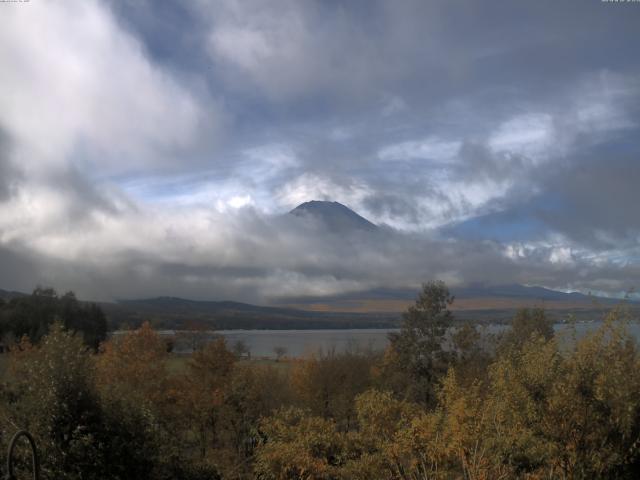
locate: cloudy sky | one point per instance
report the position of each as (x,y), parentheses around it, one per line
(153,148)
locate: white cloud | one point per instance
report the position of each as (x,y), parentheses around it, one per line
(75,83)
(310,186)
(591,112)
(531,135)
(431,148)
(239,201)
(560,255)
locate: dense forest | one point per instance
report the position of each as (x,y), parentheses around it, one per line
(524,404)
(31,316)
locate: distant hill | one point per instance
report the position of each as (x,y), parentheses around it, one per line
(177,313)
(9,294)
(378,308)
(335,216)
(476,302)
(512,291)
(522,291)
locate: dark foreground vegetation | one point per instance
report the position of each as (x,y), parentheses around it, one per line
(31,316)
(522,405)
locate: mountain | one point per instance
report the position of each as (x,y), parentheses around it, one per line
(335,216)
(474,302)
(379,308)
(526,292)
(177,313)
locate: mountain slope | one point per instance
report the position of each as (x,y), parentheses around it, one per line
(172,312)
(471,298)
(334,216)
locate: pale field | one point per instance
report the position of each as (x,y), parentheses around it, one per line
(396,306)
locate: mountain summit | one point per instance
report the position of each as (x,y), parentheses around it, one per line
(335,216)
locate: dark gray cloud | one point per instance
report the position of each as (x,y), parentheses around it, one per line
(597,201)
(591,201)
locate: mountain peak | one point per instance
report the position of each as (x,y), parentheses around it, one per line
(334,215)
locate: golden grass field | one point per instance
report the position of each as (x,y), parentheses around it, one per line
(395,306)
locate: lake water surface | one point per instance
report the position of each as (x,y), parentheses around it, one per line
(262,343)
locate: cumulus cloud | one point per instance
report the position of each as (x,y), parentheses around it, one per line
(77,86)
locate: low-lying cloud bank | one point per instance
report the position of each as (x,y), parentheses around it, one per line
(131,250)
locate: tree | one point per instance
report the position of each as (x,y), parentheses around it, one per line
(154,410)
(297,445)
(327,383)
(240,348)
(201,392)
(33,315)
(195,335)
(280,352)
(255,392)
(526,324)
(576,413)
(132,366)
(89,319)
(54,397)
(472,356)
(416,360)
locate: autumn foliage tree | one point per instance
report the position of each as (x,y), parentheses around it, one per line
(52,392)
(327,383)
(543,410)
(132,366)
(199,394)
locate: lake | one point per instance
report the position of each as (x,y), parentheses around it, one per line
(297,343)
(261,343)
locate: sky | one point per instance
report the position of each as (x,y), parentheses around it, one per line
(154,148)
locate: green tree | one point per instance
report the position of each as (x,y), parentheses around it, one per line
(33,315)
(473,354)
(416,360)
(525,324)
